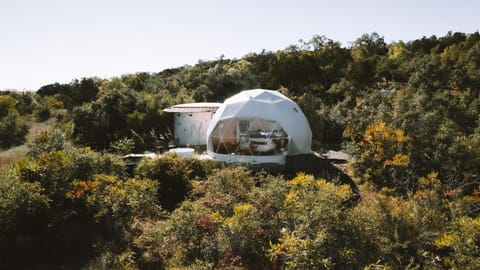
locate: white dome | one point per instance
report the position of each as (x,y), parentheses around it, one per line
(269,108)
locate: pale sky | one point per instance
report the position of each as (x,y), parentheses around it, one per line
(47,41)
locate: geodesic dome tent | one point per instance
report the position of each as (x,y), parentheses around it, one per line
(258,126)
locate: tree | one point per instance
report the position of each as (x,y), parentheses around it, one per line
(428,76)
(73,94)
(384,155)
(102,122)
(366,52)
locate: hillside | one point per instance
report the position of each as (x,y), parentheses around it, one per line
(16,153)
(407,113)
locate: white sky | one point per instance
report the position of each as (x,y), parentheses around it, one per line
(47,41)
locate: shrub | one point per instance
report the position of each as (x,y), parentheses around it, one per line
(460,245)
(228,187)
(47,141)
(399,232)
(12,130)
(188,235)
(173,177)
(200,169)
(21,207)
(111,257)
(229,227)
(384,155)
(42,113)
(57,170)
(312,213)
(66,221)
(122,146)
(117,203)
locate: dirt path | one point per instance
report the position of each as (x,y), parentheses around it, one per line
(16,153)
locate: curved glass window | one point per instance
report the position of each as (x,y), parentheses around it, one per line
(252,136)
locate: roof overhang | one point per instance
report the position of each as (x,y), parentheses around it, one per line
(194,107)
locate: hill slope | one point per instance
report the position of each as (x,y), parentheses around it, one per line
(16,153)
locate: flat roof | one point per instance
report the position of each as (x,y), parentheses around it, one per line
(194,107)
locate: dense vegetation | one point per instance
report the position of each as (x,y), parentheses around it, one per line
(407,112)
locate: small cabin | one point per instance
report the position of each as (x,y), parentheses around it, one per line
(191,121)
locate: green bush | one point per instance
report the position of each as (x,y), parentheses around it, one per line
(57,170)
(67,226)
(459,246)
(47,141)
(173,177)
(43,113)
(21,207)
(116,204)
(12,130)
(122,146)
(227,187)
(196,233)
(200,169)
(312,215)
(188,235)
(111,258)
